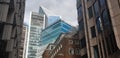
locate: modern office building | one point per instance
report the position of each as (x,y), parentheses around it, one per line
(52,19)
(47,15)
(99,27)
(50,33)
(11,22)
(36,26)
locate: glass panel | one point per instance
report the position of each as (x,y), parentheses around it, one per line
(81,25)
(93,32)
(96,52)
(80,11)
(90,12)
(106,19)
(83,42)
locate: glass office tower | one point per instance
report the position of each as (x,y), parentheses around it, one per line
(52,19)
(36,27)
(51,33)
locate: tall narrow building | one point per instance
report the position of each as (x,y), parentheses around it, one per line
(11,22)
(36,26)
(100,21)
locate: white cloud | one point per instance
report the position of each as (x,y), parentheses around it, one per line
(64,8)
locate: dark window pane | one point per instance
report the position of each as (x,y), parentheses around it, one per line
(93,32)
(80,11)
(90,12)
(96,52)
(96,8)
(81,25)
(83,42)
(106,19)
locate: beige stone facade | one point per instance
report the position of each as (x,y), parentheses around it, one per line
(101,27)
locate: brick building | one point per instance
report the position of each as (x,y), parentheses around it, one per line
(99,26)
(11,22)
(66,46)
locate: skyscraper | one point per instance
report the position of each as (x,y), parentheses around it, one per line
(11,22)
(99,20)
(50,33)
(36,27)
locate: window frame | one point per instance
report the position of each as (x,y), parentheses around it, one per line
(90,12)
(93,31)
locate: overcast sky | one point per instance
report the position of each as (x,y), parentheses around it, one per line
(65,8)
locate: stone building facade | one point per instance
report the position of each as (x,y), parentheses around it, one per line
(11,22)
(100,21)
(66,46)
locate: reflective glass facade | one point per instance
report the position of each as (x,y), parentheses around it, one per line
(51,33)
(52,19)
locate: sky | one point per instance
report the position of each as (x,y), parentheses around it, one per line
(64,8)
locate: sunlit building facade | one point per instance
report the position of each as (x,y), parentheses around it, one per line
(36,27)
(99,20)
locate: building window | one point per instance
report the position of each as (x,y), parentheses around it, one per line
(70,41)
(81,25)
(98,23)
(96,52)
(96,8)
(71,51)
(93,31)
(77,51)
(90,12)
(76,42)
(106,19)
(83,42)
(80,14)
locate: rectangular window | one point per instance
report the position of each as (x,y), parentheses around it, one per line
(81,25)
(80,13)
(83,42)
(93,31)
(90,12)
(70,41)
(96,52)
